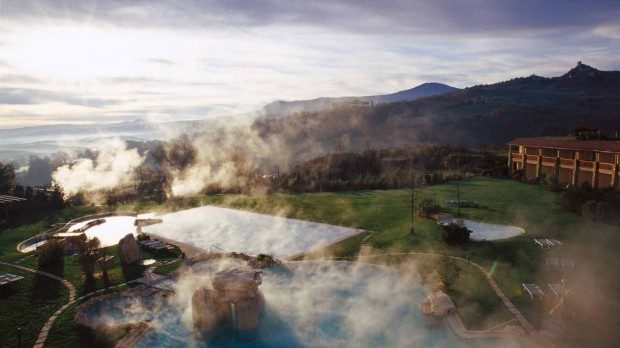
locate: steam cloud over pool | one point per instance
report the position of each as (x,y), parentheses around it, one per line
(240,231)
(312,304)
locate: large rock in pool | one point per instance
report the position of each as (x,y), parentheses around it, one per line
(208,311)
(128,250)
(438,304)
(237,280)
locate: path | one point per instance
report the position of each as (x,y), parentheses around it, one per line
(40,342)
(48,324)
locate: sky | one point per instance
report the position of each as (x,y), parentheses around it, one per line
(96,61)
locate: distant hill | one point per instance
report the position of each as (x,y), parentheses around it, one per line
(476,116)
(281,108)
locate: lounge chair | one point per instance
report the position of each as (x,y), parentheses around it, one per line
(552,263)
(536,294)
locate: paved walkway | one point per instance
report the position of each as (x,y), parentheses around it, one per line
(40,342)
(48,324)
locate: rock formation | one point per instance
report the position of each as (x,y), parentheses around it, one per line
(128,250)
(232,302)
(437,304)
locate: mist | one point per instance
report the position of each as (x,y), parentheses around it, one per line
(114,167)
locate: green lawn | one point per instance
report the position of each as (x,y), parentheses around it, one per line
(384,212)
(512,262)
(26,305)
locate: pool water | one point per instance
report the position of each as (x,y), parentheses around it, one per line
(319,304)
(111,231)
(251,233)
(482,231)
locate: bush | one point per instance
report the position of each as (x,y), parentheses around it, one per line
(428,207)
(448,271)
(551,183)
(51,253)
(455,233)
(588,210)
(603,211)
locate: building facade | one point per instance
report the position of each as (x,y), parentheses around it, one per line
(572,162)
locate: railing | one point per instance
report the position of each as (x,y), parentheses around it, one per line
(586,164)
(567,162)
(548,160)
(606,166)
(532,158)
(517,156)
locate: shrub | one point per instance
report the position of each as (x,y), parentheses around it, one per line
(551,183)
(588,210)
(603,211)
(51,253)
(427,207)
(448,271)
(455,233)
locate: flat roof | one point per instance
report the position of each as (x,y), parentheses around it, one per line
(612,146)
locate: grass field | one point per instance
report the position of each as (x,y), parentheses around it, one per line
(31,301)
(384,213)
(512,262)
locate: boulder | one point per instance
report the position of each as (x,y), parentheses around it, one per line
(438,304)
(128,251)
(238,280)
(246,317)
(208,311)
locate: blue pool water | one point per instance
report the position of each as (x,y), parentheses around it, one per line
(306,304)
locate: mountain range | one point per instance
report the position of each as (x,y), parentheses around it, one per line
(432,113)
(483,115)
(281,107)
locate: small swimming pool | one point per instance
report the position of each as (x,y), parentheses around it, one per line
(482,231)
(111,231)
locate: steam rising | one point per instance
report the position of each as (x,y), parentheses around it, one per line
(228,159)
(314,304)
(114,166)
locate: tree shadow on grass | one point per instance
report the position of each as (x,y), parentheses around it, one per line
(132,271)
(46,288)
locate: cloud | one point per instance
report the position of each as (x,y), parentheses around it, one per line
(26,96)
(367,16)
(184,60)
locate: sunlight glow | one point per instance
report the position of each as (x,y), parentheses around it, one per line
(77,52)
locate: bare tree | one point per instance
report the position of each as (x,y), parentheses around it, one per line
(414,192)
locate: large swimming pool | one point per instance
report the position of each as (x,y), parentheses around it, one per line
(338,304)
(242,231)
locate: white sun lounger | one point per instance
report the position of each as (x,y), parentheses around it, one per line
(568,264)
(556,288)
(552,263)
(534,291)
(555,243)
(543,243)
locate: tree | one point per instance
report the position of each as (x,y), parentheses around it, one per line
(448,271)
(181,152)
(29,192)
(413,193)
(57,197)
(39,171)
(455,233)
(18,191)
(7,177)
(51,252)
(87,255)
